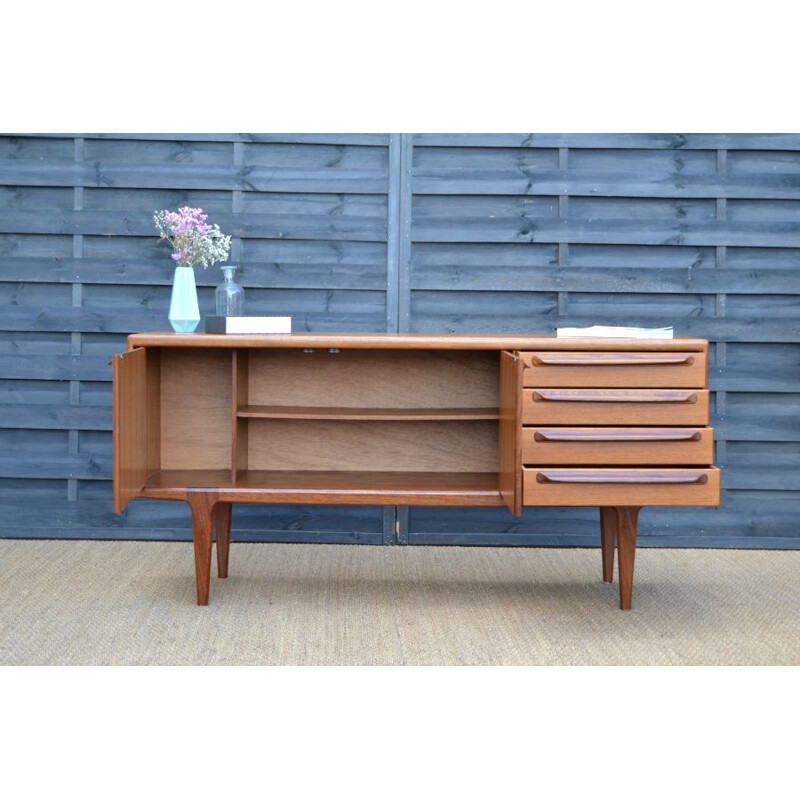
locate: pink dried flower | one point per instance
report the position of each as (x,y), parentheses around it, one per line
(193,240)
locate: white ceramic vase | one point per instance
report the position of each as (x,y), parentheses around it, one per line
(184,313)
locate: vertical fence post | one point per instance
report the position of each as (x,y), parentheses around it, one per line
(393,233)
(721,254)
(392,282)
(76,343)
(398,281)
(563,247)
(404,272)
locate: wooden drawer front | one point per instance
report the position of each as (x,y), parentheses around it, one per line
(625,370)
(640,446)
(615,407)
(557,486)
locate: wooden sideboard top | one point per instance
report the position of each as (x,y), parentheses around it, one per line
(409,341)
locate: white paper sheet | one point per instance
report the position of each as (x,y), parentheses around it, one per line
(614,332)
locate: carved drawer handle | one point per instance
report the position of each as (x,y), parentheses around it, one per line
(654,435)
(610,396)
(610,360)
(622,477)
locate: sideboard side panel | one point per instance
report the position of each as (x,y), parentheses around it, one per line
(510,441)
(153,392)
(130,425)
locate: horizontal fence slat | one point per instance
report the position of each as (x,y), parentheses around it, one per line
(288,138)
(83,466)
(55,417)
(308,316)
(761,476)
(256,274)
(55,367)
(110,223)
(24,172)
(714,233)
(735,524)
(93,518)
(535,313)
(566,278)
(732,378)
(657,141)
(585,183)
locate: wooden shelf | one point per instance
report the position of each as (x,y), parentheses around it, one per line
(335,412)
(334,487)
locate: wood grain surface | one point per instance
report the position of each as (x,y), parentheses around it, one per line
(130,426)
(598,446)
(359,378)
(627,528)
(510,444)
(361,413)
(611,487)
(411,341)
(615,407)
(195,409)
(385,446)
(608,541)
(331,487)
(239,399)
(624,369)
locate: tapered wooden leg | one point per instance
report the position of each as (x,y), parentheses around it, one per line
(202,505)
(627,518)
(608,541)
(222,527)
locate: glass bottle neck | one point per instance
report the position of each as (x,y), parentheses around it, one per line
(228,272)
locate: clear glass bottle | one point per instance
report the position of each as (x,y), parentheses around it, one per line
(229,295)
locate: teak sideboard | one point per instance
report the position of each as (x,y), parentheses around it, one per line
(406,419)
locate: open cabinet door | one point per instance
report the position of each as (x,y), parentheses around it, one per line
(510,451)
(130,426)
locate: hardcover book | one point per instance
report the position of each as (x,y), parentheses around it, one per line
(248,324)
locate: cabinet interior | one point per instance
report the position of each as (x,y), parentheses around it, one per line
(361,415)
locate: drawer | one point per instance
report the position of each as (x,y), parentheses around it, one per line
(618,446)
(557,486)
(624,370)
(615,407)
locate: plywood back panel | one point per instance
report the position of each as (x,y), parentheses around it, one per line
(375,379)
(378,446)
(195,409)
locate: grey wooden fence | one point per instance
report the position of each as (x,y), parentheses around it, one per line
(422,232)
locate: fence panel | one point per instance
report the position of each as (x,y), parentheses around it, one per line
(80,268)
(464,233)
(527,232)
